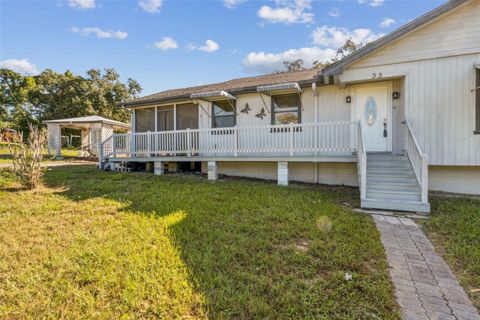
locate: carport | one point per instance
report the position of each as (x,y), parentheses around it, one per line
(94,130)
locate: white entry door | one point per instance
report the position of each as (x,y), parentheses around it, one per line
(372,106)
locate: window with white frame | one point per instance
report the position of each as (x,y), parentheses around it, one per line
(286,108)
(223,114)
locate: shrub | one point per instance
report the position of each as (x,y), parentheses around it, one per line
(27,158)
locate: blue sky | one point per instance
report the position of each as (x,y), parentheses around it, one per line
(168,44)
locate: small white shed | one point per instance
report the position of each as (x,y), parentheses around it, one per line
(94,130)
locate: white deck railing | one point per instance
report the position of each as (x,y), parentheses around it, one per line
(288,140)
(418,159)
(362,162)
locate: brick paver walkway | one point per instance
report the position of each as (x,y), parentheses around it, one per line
(425,286)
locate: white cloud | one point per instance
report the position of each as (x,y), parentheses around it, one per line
(232,4)
(82,4)
(372,3)
(102,34)
(261,62)
(387,22)
(334,12)
(326,39)
(335,37)
(167,43)
(210,46)
(151,6)
(376,3)
(287,12)
(22,66)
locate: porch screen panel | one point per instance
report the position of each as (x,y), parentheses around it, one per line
(145,120)
(165,118)
(187,116)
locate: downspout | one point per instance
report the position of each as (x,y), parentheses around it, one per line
(132,134)
(315,118)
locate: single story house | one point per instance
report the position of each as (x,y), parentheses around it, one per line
(399,117)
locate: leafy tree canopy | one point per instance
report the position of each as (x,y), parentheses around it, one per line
(52,95)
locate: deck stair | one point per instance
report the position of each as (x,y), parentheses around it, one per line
(121,167)
(391,184)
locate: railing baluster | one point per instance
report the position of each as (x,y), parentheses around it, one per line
(290,139)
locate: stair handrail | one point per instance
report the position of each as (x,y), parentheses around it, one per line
(418,159)
(362,161)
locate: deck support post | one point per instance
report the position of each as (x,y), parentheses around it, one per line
(158,168)
(212,170)
(282,173)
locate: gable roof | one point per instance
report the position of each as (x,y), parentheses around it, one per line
(240,85)
(337,67)
(89,119)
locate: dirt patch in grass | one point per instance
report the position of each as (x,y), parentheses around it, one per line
(93,244)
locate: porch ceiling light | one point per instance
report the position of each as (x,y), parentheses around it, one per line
(212,96)
(281,88)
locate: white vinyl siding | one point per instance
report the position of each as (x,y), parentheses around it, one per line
(255,104)
(436,64)
(439,103)
(457,33)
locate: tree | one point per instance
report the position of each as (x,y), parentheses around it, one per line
(295,65)
(345,50)
(52,95)
(15,99)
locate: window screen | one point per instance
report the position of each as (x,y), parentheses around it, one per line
(145,120)
(165,118)
(187,116)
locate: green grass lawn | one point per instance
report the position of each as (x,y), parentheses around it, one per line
(454,228)
(94,244)
(6,157)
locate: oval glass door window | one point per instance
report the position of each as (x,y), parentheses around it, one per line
(370,111)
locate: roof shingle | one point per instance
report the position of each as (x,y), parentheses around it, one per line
(234,85)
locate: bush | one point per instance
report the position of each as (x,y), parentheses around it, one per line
(27,158)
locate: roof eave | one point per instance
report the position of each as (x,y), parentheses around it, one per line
(338,67)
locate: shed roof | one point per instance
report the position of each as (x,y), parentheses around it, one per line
(337,67)
(302,77)
(88,120)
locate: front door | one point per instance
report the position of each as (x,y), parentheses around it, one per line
(372,106)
